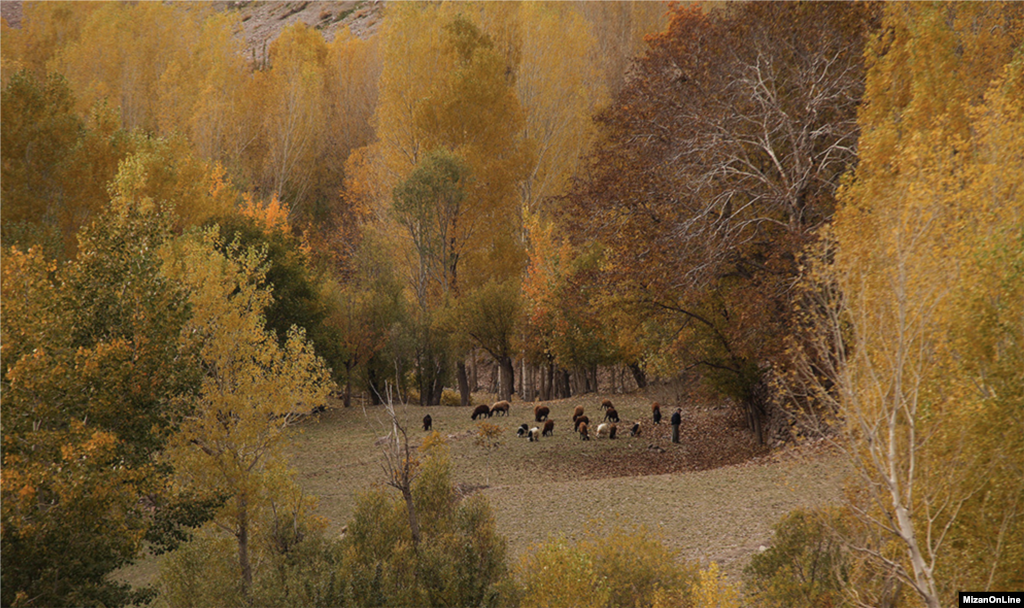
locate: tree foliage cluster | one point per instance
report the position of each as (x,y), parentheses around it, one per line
(719,161)
(142,392)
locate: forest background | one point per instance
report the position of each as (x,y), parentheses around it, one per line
(814,209)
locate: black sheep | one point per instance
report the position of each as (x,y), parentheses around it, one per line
(427,421)
(635,431)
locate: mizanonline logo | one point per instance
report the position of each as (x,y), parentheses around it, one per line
(980,597)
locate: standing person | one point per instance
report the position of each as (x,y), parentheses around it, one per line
(676,420)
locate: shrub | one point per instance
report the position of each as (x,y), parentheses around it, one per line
(805,566)
(452,398)
(617,567)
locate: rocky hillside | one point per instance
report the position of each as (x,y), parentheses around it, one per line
(263,21)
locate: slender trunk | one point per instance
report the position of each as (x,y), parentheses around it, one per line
(348,386)
(474,385)
(463,384)
(243,548)
(414,522)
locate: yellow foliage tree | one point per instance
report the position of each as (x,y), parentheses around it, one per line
(253,387)
(929,241)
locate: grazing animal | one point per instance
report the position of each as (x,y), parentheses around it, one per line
(523,430)
(549,428)
(602,429)
(612,415)
(656,410)
(583,432)
(427,421)
(540,413)
(481,410)
(611,431)
(534,434)
(635,431)
(606,404)
(581,420)
(500,407)
(576,413)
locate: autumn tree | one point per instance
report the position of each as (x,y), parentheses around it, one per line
(928,240)
(56,165)
(458,560)
(252,387)
(721,158)
(94,380)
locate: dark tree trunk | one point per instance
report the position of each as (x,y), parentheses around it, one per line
(464,395)
(508,378)
(638,375)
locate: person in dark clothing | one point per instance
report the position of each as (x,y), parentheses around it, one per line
(677,419)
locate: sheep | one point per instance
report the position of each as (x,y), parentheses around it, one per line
(583,432)
(601,429)
(581,420)
(656,410)
(481,410)
(427,421)
(611,430)
(540,413)
(635,431)
(534,434)
(549,428)
(523,430)
(612,415)
(576,413)
(606,404)
(500,407)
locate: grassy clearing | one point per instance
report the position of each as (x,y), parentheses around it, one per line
(715,495)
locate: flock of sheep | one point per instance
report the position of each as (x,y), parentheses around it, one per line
(581,423)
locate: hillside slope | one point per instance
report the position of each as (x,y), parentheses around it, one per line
(262,22)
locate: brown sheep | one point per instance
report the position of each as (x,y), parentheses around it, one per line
(549,428)
(500,407)
(576,413)
(427,421)
(606,404)
(581,420)
(481,410)
(583,432)
(612,430)
(612,415)
(656,410)
(540,413)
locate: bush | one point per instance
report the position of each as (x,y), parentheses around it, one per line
(805,566)
(452,398)
(620,567)
(460,560)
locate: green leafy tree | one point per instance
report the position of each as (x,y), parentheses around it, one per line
(94,380)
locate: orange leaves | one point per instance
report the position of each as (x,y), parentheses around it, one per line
(272,216)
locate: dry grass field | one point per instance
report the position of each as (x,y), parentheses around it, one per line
(715,495)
